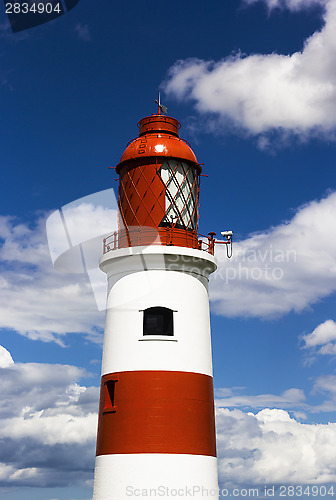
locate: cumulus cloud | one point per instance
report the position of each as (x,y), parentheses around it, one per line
(5,358)
(266,93)
(75,236)
(280,270)
(270,274)
(41,303)
(270,447)
(323,338)
(36,300)
(48,425)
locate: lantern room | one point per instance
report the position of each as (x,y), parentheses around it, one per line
(158,187)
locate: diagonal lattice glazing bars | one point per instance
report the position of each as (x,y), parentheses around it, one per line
(181,181)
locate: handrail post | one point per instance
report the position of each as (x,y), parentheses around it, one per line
(211,240)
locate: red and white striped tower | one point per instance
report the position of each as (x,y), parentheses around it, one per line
(156,429)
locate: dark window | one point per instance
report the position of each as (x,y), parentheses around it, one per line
(109,402)
(158,321)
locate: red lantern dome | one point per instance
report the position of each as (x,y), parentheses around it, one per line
(158,187)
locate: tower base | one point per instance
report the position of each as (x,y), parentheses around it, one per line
(155,476)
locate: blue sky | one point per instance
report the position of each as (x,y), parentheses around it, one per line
(253,83)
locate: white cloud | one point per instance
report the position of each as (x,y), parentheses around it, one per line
(75,237)
(36,300)
(270,447)
(288,399)
(293,400)
(48,430)
(324,335)
(279,270)
(82,222)
(326,385)
(47,426)
(5,358)
(260,93)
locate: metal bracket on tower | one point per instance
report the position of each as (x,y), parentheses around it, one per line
(227,241)
(228,235)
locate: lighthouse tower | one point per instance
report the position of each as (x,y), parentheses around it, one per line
(156,428)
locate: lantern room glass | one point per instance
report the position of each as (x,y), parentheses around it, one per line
(181,198)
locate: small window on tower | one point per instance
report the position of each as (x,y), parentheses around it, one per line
(158,321)
(109,396)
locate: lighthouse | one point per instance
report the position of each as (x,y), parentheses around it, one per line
(156,425)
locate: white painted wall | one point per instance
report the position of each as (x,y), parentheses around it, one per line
(125,347)
(136,289)
(121,477)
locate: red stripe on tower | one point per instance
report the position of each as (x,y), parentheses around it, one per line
(156,412)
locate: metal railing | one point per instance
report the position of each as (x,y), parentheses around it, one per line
(141,236)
